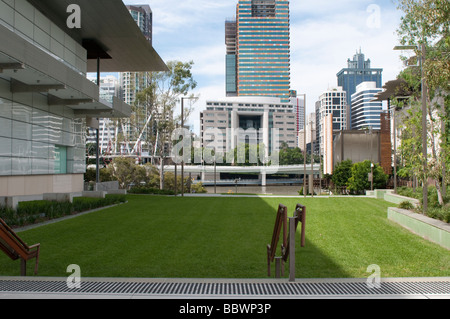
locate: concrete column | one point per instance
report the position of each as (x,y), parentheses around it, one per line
(263,178)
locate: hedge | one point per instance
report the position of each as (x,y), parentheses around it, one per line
(36,211)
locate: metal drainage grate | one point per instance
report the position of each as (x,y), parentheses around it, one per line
(229,289)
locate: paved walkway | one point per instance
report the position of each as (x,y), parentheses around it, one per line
(141,288)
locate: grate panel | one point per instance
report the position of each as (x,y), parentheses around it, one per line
(229,289)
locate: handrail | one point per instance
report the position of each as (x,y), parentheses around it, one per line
(299,216)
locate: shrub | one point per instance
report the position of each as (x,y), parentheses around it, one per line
(198,188)
(406,205)
(35,211)
(150,190)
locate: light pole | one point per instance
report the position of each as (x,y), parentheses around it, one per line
(182,127)
(371,176)
(304,144)
(424,89)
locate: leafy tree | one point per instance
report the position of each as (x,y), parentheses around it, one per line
(127,172)
(359,181)
(426,25)
(341,173)
(159,100)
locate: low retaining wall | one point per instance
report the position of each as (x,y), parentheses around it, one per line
(397,199)
(431,229)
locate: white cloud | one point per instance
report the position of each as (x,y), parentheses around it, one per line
(324,34)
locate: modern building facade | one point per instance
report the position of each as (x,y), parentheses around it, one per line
(358,70)
(332,102)
(46,100)
(365,111)
(227,123)
(258,50)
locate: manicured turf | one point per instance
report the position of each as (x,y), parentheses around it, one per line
(154,236)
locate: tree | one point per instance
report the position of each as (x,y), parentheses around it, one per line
(426,25)
(127,172)
(159,100)
(341,173)
(359,181)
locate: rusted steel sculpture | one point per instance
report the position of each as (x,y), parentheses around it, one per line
(288,245)
(16,248)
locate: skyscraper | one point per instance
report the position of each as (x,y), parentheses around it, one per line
(330,102)
(358,70)
(258,49)
(366,112)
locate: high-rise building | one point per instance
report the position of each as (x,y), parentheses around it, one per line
(358,70)
(143,16)
(109,88)
(366,112)
(131,83)
(330,102)
(258,49)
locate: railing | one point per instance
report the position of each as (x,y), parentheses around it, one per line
(288,245)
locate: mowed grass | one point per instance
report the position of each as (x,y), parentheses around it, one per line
(156,236)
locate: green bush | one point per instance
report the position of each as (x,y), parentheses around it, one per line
(441,213)
(34,211)
(81,204)
(198,188)
(150,190)
(406,205)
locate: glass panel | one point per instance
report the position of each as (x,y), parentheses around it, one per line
(5,146)
(5,166)
(21,148)
(5,127)
(60,160)
(21,166)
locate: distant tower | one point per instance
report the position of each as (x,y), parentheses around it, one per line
(258,49)
(357,71)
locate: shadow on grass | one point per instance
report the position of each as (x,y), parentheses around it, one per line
(168,237)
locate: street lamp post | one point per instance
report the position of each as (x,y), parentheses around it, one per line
(371,176)
(182,158)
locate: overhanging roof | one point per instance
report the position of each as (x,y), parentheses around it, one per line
(29,69)
(108,24)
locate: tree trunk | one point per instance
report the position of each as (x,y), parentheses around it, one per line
(161,173)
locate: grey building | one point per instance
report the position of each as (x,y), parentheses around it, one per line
(46,100)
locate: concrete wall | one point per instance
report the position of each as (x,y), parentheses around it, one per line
(40,184)
(428,228)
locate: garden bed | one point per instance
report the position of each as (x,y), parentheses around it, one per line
(429,228)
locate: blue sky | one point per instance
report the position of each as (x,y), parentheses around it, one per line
(324,34)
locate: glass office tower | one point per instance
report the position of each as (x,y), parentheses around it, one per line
(262,49)
(358,71)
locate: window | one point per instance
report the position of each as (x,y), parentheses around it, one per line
(60,159)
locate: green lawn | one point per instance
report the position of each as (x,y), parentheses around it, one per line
(154,236)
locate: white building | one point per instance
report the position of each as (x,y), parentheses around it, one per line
(366,112)
(334,102)
(267,121)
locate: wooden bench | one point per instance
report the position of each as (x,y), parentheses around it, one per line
(16,248)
